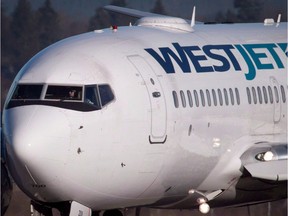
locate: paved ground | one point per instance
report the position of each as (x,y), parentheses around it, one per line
(20,206)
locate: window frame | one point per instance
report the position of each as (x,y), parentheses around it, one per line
(66,96)
(265,95)
(254,95)
(190,100)
(100,95)
(220,96)
(283,93)
(202,96)
(208,95)
(175,99)
(196,97)
(270,93)
(27,85)
(226,98)
(214,95)
(183,99)
(259,92)
(276,92)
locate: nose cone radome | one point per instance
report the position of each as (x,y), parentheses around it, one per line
(37,140)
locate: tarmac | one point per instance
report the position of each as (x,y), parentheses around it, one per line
(20,206)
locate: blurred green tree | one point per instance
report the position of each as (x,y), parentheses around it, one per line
(119,19)
(248,10)
(159,8)
(25,37)
(100,20)
(47,25)
(6,40)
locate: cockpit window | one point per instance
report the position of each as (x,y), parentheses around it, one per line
(98,96)
(27,91)
(106,94)
(64,93)
(91,96)
(80,98)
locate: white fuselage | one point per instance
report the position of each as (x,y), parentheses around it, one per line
(144,147)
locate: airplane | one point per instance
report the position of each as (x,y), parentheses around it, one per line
(163,114)
(6,183)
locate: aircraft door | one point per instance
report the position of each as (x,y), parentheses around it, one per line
(156,97)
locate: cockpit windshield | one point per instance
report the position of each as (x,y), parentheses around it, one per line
(73,97)
(64,93)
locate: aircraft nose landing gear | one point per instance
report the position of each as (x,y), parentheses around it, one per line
(204,207)
(201,199)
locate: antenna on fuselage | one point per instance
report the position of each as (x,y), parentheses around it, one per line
(278,19)
(193,17)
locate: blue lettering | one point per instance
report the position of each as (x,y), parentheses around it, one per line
(227,49)
(254,58)
(196,58)
(225,63)
(166,63)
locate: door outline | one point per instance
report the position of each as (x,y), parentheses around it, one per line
(277,106)
(157,100)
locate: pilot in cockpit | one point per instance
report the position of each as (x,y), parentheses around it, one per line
(72,94)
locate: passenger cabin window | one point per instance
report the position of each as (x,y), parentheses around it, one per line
(196,98)
(214,97)
(259,94)
(202,98)
(254,95)
(208,97)
(231,96)
(27,92)
(249,95)
(220,97)
(265,95)
(270,94)
(183,99)
(226,97)
(237,96)
(276,94)
(190,98)
(283,94)
(175,98)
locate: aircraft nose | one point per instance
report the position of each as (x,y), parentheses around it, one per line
(37,140)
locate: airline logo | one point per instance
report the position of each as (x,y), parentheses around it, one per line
(221,58)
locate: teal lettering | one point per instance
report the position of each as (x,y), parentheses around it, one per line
(283,47)
(257,56)
(250,75)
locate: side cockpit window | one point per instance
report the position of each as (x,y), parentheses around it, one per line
(91,96)
(27,92)
(98,95)
(106,94)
